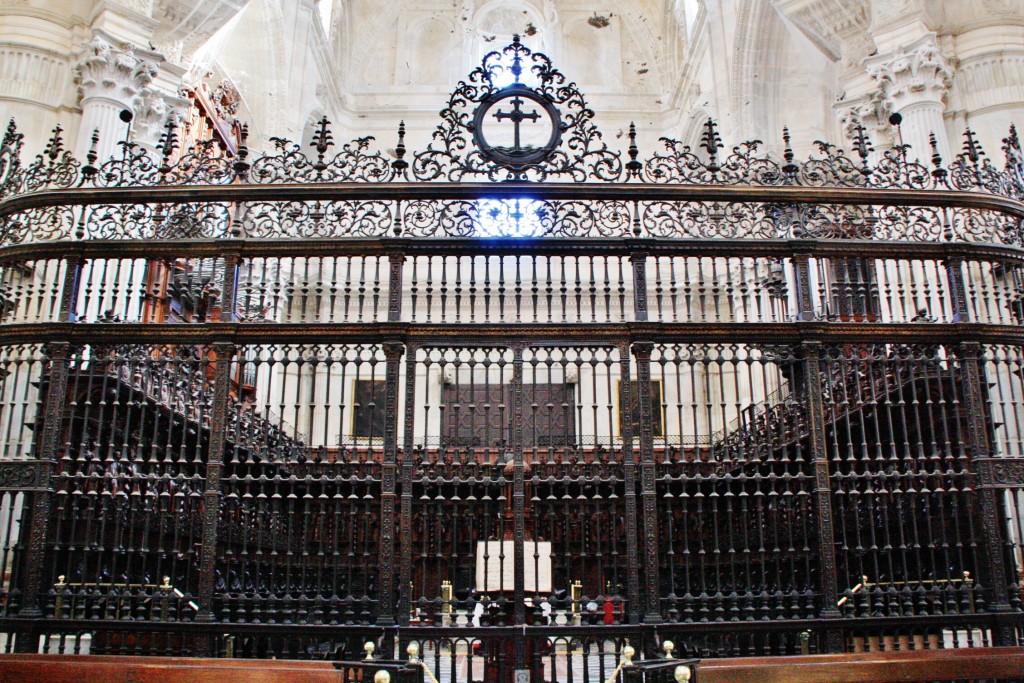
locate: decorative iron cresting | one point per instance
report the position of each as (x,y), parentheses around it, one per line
(574,151)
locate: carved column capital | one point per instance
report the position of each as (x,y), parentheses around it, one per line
(917,73)
(643,349)
(114,73)
(871,110)
(154,108)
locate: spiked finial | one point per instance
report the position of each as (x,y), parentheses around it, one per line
(55,145)
(972,148)
(168,144)
(400,164)
(633,166)
(862,145)
(789,168)
(712,142)
(322,141)
(1011,147)
(11,136)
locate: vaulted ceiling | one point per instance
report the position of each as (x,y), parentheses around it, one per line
(185,25)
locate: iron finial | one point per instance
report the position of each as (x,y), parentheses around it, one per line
(517,58)
(712,142)
(55,145)
(168,144)
(89,170)
(862,145)
(939,173)
(11,135)
(1011,145)
(789,168)
(322,141)
(242,157)
(400,164)
(633,166)
(972,148)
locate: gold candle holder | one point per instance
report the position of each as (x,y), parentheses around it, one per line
(446,597)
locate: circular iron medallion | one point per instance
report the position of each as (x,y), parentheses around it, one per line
(516,126)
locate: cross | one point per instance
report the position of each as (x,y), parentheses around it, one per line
(517,115)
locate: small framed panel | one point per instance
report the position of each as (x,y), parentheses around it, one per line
(633,410)
(368,408)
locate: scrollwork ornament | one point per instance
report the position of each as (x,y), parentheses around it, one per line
(135,167)
(895,170)
(53,222)
(353,163)
(426,218)
(579,155)
(19,475)
(55,168)
(371,218)
(707,219)
(832,169)
(158,221)
(681,164)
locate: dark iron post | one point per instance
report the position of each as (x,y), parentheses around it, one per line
(804,296)
(42,496)
(69,288)
(639,261)
(957,290)
(994,568)
(228,296)
(648,495)
(223,356)
(633,598)
(393,352)
(518,508)
(405,511)
(396,260)
(829,575)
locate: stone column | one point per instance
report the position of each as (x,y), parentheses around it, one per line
(110,79)
(914,80)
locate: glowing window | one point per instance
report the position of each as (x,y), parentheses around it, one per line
(513,217)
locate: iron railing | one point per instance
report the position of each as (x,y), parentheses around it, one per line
(282,406)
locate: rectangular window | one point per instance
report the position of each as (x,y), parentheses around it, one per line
(368,409)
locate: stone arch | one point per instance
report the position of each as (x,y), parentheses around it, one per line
(780,78)
(593,56)
(496,21)
(432,52)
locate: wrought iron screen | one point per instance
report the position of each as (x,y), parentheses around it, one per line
(279,405)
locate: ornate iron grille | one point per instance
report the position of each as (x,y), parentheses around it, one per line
(759,407)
